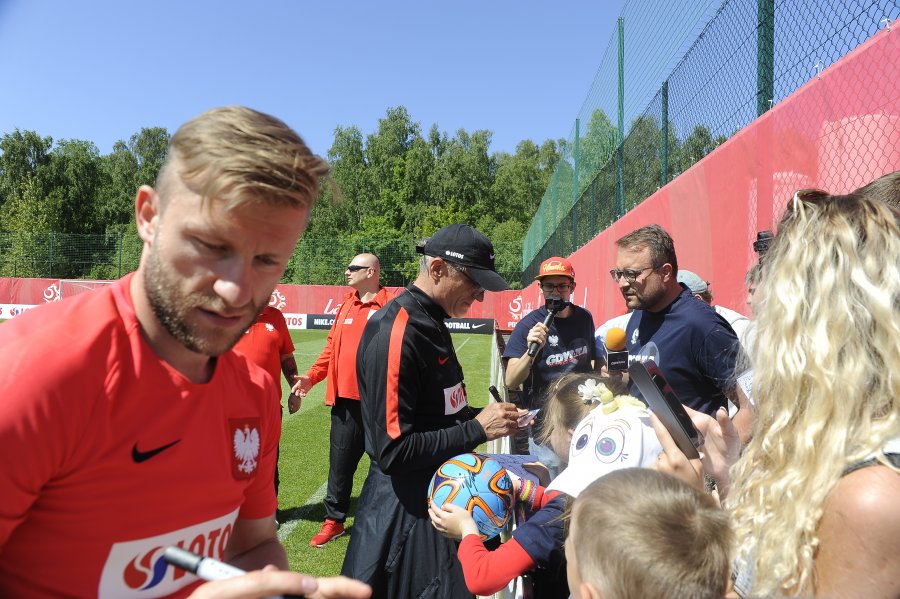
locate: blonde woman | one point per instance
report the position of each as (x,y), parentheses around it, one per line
(814,496)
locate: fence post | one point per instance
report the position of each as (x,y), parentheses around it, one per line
(620,153)
(765,55)
(121,238)
(52,239)
(576,187)
(664,172)
(553,199)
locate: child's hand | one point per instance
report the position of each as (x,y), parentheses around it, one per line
(451,520)
(516,484)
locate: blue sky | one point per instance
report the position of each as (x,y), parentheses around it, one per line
(100,70)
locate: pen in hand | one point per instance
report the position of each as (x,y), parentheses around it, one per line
(495,394)
(206,568)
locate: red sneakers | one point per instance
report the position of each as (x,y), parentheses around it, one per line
(330,530)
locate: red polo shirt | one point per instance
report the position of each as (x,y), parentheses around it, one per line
(337,361)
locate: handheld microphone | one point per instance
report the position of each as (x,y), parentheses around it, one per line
(554,305)
(616,354)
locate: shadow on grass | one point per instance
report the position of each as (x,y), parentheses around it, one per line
(315,513)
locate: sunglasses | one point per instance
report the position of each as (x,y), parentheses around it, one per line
(630,275)
(356,267)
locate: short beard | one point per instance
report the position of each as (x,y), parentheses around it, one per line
(171,310)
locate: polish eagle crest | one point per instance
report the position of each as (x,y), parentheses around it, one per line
(246,448)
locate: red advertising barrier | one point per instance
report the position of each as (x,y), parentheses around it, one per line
(304,306)
(506,307)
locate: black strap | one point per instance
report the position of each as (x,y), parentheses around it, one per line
(892,458)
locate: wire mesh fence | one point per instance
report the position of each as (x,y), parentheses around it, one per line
(644,121)
(316,260)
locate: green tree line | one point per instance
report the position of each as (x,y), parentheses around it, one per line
(67,211)
(393,187)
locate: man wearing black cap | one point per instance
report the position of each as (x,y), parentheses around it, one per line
(416,415)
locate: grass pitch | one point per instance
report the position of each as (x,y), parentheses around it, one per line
(303,464)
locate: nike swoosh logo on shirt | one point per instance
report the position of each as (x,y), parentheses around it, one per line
(142,456)
(443,360)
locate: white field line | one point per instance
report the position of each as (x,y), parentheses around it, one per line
(463,344)
(312,502)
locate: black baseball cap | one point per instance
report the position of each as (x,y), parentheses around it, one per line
(463,245)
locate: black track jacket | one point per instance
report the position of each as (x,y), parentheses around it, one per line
(416,416)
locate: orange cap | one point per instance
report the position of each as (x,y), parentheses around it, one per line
(556,266)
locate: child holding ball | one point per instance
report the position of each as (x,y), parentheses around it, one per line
(537,545)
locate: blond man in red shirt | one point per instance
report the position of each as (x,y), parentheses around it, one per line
(337,363)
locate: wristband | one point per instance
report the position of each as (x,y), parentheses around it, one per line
(527,491)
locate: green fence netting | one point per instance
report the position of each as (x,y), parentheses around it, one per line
(737,60)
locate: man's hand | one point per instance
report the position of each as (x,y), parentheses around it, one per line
(270,581)
(302,386)
(499,419)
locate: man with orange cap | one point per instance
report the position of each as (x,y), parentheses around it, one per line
(564,345)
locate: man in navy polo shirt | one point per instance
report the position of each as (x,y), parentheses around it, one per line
(694,347)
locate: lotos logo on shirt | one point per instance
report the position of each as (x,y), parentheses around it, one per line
(137,568)
(454,399)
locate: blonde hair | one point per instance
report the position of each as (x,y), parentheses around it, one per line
(826,377)
(885,189)
(640,533)
(563,405)
(238,154)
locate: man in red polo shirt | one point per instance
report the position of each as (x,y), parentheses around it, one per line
(337,363)
(268,343)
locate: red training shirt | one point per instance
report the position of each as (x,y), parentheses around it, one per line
(112,454)
(266,341)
